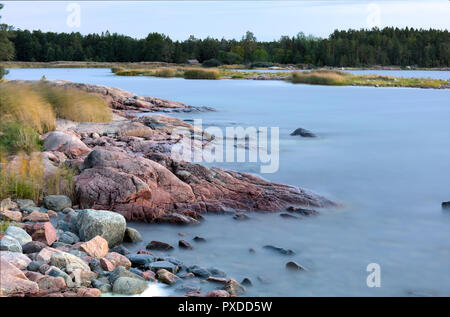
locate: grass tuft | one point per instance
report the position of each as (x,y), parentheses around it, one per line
(198,73)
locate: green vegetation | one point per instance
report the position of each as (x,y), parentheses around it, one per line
(337,78)
(198,73)
(352,48)
(211,63)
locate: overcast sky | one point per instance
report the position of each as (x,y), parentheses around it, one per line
(230,19)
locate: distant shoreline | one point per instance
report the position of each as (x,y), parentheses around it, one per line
(135,65)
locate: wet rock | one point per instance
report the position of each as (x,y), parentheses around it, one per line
(247,282)
(136,271)
(19,234)
(216,272)
(199,271)
(65,143)
(184,244)
(33,247)
(218,293)
(286,215)
(140,260)
(102,286)
(132,235)
(120,271)
(446,205)
(52,214)
(199,239)
(166,265)
(241,216)
(149,275)
(129,286)
(97,247)
(302,211)
(234,288)
(17,259)
(220,280)
(292,266)
(68,238)
(67,210)
(121,250)
(158,245)
(251,250)
(109,225)
(279,250)
(303,133)
(8,243)
(118,259)
(264,280)
(43,232)
(57,202)
(166,277)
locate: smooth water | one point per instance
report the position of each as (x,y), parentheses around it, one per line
(382,152)
(433,74)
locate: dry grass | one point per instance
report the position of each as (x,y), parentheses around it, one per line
(198,73)
(320,77)
(19,103)
(23,177)
(74,104)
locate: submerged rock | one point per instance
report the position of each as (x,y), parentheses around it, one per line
(132,235)
(446,205)
(279,250)
(303,133)
(158,245)
(185,245)
(293,266)
(302,211)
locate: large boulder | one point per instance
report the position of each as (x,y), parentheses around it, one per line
(156,188)
(19,234)
(65,143)
(129,286)
(106,224)
(57,202)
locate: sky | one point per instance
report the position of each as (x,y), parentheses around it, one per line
(268,20)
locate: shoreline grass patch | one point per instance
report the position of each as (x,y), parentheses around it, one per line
(198,73)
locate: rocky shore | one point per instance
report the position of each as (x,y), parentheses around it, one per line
(124,172)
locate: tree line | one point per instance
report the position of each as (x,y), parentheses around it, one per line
(387,46)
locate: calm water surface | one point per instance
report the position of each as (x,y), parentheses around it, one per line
(382,152)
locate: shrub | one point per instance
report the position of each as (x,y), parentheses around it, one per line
(211,63)
(164,72)
(3,72)
(260,64)
(197,73)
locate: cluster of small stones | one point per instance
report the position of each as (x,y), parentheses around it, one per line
(57,250)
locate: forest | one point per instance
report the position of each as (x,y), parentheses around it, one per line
(387,46)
